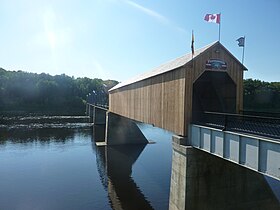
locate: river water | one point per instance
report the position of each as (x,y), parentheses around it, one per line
(53,163)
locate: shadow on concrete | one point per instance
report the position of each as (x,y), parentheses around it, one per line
(209,182)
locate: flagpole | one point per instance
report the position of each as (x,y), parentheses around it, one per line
(243,51)
(220,27)
(192,45)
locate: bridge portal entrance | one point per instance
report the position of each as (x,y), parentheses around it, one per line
(210,79)
(213,91)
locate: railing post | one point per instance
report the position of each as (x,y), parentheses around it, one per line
(226,122)
(86,108)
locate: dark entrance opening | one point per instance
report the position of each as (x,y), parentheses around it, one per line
(213,91)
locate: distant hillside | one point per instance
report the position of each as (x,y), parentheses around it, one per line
(30,92)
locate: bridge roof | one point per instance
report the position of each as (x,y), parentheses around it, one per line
(169,66)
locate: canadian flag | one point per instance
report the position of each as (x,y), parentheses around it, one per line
(213,18)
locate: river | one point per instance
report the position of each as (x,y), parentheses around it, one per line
(51,162)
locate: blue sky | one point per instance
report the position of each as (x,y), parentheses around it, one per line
(119,39)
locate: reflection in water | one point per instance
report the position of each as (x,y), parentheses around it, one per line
(135,181)
(43,122)
(51,166)
(115,169)
(43,129)
(48,168)
(43,135)
(131,184)
(5,120)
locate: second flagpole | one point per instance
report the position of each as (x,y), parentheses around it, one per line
(220,27)
(243,51)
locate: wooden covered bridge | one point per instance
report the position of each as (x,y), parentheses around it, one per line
(198,98)
(173,94)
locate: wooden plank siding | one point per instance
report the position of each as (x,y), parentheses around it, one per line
(158,100)
(165,100)
(196,68)
(234,70)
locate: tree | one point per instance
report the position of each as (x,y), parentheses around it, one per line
(36,92)
(261,96)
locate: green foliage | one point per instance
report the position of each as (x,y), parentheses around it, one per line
(261,96)
(22,91)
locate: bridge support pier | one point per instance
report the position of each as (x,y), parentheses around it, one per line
(91,113)
(99,116)
(200,180)
(122,130)
(178,191)
(87,109)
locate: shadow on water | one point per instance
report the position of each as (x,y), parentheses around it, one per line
(115,169)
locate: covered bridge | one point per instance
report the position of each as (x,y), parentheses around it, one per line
(173,94)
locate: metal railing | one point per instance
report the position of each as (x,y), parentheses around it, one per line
(257,125)
(104,106)
(258,113)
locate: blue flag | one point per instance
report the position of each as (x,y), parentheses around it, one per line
(241,41)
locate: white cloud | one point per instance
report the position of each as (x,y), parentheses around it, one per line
(149,12)
(162,19)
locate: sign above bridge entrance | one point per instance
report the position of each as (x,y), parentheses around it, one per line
(215,64)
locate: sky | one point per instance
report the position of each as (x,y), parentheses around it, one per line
(119,39)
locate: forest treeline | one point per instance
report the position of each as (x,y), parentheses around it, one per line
(31,92)
(261,96)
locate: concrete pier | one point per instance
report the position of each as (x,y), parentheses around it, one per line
(99,116)
(91,111)
(178,191)
(122,130)
(200,180)
(87,109)
(99,133)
